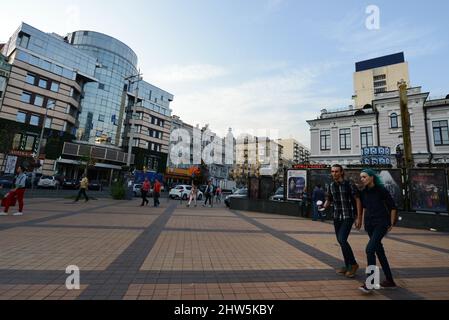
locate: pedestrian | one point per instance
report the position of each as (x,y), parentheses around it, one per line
(347,209)
(17,192)
(209,192)
(84,184)
(218,195)
(144,192)
(193,195)
(379,216)
(156,192)
(318,194)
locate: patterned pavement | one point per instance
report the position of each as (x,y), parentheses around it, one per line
(127,252)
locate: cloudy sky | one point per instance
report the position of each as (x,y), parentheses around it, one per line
(255,64)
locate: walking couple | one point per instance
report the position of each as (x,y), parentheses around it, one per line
(374,207)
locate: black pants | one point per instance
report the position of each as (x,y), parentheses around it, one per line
(342,231)
(208,197)
(156,196)
(375,247)
(144,197)
(80,193)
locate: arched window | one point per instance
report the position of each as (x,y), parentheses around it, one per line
(394,120)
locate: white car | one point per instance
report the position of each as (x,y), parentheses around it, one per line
(48,182)
(136,189)
(183,192)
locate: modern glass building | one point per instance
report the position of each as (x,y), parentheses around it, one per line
(87,79)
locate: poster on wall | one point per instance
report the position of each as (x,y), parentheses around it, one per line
(392,180)
(10,166)
(428,190)
(296,184)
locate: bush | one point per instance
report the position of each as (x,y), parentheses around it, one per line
(118,190)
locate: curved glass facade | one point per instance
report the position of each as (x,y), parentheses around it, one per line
(102,102)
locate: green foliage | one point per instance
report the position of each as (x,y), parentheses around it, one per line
(118,190)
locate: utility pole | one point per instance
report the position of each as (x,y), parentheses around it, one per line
(405,119)
(133,110)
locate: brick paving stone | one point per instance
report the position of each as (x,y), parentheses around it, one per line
(132,253)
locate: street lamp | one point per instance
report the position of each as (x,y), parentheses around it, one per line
(133,109)
(41,137)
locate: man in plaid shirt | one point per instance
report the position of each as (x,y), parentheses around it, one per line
(347,209)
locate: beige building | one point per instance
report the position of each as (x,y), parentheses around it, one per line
(294,151)
(377,76)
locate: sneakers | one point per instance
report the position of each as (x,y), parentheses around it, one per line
(352,271)
(342,270)
(18,214)
(386,284)
(3,213)
(365,290)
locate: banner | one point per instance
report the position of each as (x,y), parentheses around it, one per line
(296,184)
(428,190)
(10,166)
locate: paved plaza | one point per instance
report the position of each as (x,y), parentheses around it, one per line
(127,252)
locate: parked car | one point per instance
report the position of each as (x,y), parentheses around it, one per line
(240,193)
(7,181)
(136,189)
(48,182)
(278,195)
(183,192)
(70,184)
(95,185)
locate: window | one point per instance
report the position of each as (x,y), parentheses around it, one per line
(380,77)
(54,87)
(16,141)
(380,90)
(57,70)
(101,117)
(380,84)
(136,142)
(51,104)
(21,117)
(440,133)
(48,122)
(394,121)
(45,65)
(24,40)
(26,97)
(98,133)
(43,83)
(38,101)
(325,140)
(31,79)
(345,139)
(101,86)
(34,120)
(30,141)
(366,137)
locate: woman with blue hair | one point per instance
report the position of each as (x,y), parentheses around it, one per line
(379,217)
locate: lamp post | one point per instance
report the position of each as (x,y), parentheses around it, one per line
(39,146)
(133,109)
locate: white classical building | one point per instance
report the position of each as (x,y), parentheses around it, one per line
(339,136)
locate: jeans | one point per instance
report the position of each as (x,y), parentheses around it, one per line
(156,196)
(82,192)
(342,231)
(144,197)
(375,247)
(316,213)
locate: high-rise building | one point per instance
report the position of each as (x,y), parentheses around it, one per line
(378,75)
(82,88)
(294,151)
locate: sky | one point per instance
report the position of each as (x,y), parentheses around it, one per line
(256,65)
